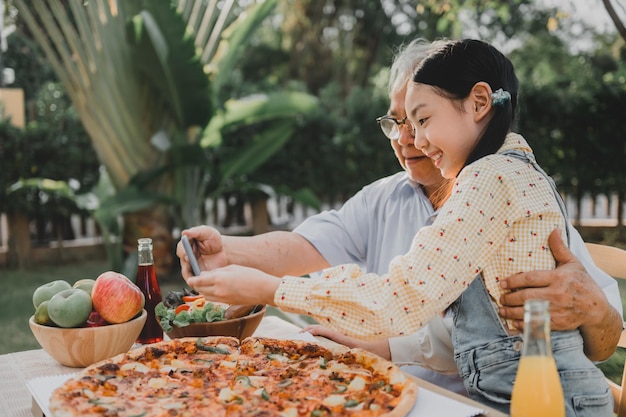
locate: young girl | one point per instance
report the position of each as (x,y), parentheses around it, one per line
(495,223)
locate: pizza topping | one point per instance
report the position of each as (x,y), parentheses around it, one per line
(334,400)
(323,363)
(261,392)
(173,406)
(357,384)
(289,412)
(351,403)
(103,378)
(256,380)
(156,383)
(227,395)
(243,380)
(229,364)
(397,378)
(277,357)
(284,383)
(220,349)
(135,366)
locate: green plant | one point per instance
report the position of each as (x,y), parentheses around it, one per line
(145,95)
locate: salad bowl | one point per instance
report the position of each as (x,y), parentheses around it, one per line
(240,327)
(187,314)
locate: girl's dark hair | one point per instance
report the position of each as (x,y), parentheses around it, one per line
(454,68)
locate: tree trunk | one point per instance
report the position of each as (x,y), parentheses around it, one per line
(620,209)
(579,202)
(593,205)
(260,216)
(20,247)
(57,228)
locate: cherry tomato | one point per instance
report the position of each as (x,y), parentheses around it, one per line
(182,307)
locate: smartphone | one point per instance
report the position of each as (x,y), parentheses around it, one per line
(192,257)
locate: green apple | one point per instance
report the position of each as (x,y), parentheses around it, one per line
(41,315)
(47,291)
(70,308)
(85,284)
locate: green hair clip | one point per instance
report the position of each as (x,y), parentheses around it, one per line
(500,97)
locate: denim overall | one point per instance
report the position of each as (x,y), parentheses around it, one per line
(487,357)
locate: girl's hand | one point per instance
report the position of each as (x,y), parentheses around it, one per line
(379,347)
(235,284)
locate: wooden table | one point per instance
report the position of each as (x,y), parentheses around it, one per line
(17,368)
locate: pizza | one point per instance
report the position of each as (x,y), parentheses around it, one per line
(221,376)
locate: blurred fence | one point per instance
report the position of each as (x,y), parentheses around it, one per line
(232,218)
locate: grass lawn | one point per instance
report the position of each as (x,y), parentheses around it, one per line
(16,305)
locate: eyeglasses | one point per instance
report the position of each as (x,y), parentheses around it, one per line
(391,126)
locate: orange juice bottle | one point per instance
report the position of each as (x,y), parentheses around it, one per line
(537,391)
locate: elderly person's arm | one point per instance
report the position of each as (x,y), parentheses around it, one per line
(277,253)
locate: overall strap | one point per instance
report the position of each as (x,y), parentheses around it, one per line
(529,157)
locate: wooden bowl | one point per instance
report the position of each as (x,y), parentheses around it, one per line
(240,327)
(82,346)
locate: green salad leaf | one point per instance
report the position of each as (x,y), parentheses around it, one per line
(168,318)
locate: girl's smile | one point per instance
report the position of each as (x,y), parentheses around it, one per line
(446,130)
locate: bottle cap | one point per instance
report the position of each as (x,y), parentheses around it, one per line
(144,242)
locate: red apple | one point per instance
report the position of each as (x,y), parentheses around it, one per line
(116,298)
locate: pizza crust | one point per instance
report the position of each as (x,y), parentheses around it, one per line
(409,389)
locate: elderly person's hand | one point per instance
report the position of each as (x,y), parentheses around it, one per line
(569,288)
(236,284)
(576,301)
(208,248)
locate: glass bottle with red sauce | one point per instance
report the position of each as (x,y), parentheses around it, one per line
(147,282)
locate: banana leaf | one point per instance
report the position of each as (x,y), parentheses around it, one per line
(255,109)
(261,148)
(234,40)
(166,57)
(60,188)
(303,195)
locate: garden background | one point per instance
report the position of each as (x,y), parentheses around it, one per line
(145,117)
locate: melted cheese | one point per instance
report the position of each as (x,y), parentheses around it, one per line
(226,395)
(229,364)
(156,383)
(357,384)
(289,412)
(334,400)
(135,366)
(397,378)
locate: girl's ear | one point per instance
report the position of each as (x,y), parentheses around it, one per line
(480,95)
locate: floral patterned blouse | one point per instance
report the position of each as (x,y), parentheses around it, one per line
(496,222)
